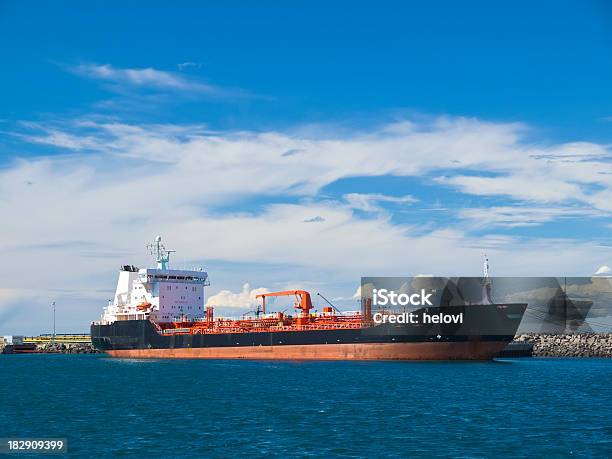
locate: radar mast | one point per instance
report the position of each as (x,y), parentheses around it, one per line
(162,255)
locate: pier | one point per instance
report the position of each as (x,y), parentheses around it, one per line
(47,344)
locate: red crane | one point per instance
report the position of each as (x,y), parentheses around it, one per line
(303,303)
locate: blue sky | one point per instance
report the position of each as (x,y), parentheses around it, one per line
(302,145)
(545,63)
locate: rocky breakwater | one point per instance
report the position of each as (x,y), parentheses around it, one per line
(70,348)
(569,345)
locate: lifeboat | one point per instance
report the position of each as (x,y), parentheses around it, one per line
(144,306)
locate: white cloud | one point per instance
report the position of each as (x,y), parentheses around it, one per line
(245,299)
(351,300)
(604,269)
(186,65)
(368,202)
(520,216)
(526,186)
(150,78)
(186,169)
(56,138)
(122,184)
(519,171)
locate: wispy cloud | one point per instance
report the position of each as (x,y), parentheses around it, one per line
(185,65)
(120,79)
(495,161)
(369,202)
(524,186)
(317,219)
(522,216)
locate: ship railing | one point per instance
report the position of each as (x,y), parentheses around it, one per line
(216,329)
(179,331)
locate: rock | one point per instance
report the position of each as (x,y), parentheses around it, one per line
(569,345)
(72,348)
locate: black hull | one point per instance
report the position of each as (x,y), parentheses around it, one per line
(482,324)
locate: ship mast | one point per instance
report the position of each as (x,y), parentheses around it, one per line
(162,255)
(486,282)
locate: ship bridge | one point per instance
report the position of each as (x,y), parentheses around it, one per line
(150,275)
(160,294)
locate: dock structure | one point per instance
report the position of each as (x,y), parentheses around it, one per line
(59,338)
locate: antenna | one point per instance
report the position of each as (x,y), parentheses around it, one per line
(162,255)
(53,340)
(257,311)
(329,302)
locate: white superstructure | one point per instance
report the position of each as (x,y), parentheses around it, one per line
(160,294)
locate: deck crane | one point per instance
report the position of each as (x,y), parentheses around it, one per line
(302,302)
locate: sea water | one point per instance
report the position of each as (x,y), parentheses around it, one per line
(218,408)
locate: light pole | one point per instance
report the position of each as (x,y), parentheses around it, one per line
(53,339)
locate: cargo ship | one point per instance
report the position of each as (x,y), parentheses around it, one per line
(160,313)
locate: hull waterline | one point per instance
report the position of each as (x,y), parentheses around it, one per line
(486,331)
(381,351)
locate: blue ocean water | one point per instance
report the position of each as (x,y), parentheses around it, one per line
(167,408)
